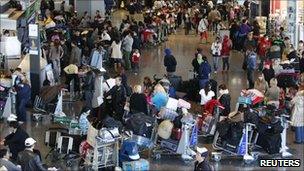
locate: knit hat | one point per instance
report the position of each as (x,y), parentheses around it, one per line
(168,51)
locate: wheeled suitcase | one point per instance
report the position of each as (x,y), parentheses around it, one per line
(209,125)
(176,134)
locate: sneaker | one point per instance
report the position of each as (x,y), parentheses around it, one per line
(135,73)
(215,72)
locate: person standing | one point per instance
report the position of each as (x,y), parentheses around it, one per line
(15,140)
(135,60)
(273,93)
(261,84)
(225,53)
(297,117)
(28,159)
(251,65)
(75,57)
(216,48)
(56,53)
(204,72)
(127,49)
(88,88)
(263,46)
(206,95)
(118,94)
(116,54)
(224,98)
(169,62)
(203,29)
(23,90)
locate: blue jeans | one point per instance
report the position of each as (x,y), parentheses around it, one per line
(299,134)
(250,78)
(215,60)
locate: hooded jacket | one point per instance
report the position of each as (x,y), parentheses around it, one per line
(204,70)
(226,46)
(169,61)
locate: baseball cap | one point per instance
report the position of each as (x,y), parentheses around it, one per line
(203,151)
(12,118)
(29,142)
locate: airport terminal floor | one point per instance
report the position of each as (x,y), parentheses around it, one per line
(183,48)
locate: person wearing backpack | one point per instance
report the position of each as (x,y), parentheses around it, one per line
(225,53)
(251,65)
(118,94)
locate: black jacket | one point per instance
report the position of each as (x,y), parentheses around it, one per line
(195,65)
(202,166)
(118,94)
(170,63)
(15,141)
(138,103)
(89,82)
(30,161)
(225,101)
(268,74)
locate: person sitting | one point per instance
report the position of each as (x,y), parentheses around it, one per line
(28,159)
(15,140)
(4,160)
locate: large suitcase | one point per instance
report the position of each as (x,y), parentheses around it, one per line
(271,143)
(191,88)
(209,125)
(175,81)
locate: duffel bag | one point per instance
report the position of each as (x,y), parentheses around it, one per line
(110,122)
(141,124)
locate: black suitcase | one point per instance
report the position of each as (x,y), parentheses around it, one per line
(271,143)
(191,88)
(175,81)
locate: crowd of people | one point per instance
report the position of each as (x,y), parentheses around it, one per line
(70,47)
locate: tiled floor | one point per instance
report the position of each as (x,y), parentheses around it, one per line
(183,48)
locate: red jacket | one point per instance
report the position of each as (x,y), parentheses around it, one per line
(135,57)
(263,46)
(226,46)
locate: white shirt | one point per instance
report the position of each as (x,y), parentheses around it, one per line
(216,48)
(105,37)
(205,98)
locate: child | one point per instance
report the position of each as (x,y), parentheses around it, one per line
(135,60)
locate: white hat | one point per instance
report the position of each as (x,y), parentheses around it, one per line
(12,118)
(29,142)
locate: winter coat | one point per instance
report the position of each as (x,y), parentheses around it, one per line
(297,117)
(251,61)
(263,46)
(138,103)
(214,15)
(30,161)
(195,65)
(204,70)
(268,74)
(244,29)
(216,49)
(15,141)
(23,92)
(226,46)
(170,63)
(225,101)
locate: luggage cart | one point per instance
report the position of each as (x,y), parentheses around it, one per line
(243,148)
(105,154)
(177,147)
